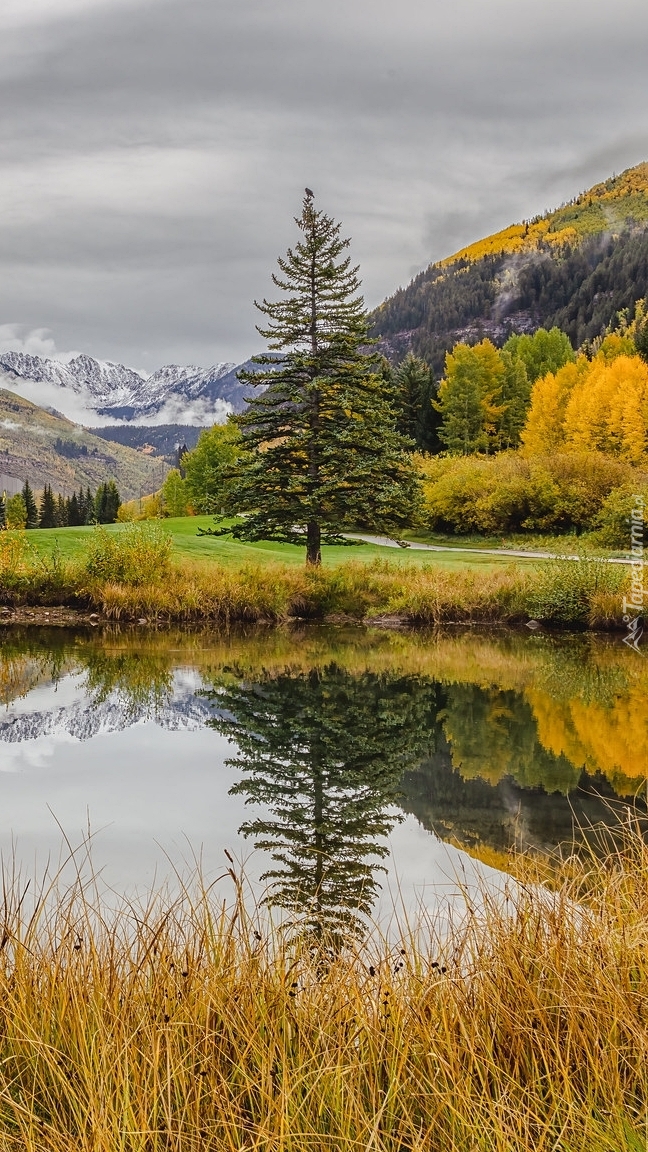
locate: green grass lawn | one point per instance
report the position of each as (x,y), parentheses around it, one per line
(183,529)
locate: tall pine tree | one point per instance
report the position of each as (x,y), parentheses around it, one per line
(321,452)
(61,512)
(107,503)
(47,515)
(30,506)
(415,392)
(74,512)
(90,516)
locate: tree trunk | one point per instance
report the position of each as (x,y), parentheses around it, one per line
(313,543)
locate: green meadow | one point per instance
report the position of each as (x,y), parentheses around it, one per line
(187,544)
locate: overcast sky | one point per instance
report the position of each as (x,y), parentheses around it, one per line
(154,152)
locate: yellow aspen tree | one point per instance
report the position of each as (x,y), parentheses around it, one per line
(629,413)
(544,431)
(587,415)
(608,409)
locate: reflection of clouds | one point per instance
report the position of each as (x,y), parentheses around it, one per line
(33,754)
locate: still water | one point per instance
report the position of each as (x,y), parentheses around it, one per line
(346,768)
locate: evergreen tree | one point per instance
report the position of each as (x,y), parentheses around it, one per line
(3,511)
(181,452)
(61,514)
(90,515)
(30,506)
(74,512)
(107,503)
(320,448)
(100,504)
(641,339)
(47,515)
(415,393)
(324,751)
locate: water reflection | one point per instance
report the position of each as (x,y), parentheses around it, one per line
(490,741)
(323,753)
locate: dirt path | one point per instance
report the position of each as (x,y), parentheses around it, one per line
(517,553)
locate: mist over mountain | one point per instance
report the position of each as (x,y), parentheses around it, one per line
(575,268)
(94,392)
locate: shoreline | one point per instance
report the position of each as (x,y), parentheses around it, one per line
(60,616)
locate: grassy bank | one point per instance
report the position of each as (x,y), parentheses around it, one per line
(187,1025)
(134,574)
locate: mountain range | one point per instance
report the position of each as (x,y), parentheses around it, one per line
(95,392)
(575,268)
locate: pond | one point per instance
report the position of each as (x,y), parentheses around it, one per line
(344,769)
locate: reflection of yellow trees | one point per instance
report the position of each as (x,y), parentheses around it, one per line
(612,738)
(27,660)
(493,734)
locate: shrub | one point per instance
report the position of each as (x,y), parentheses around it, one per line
(145,508)
(568,591)
(16,513)
(136,554)
(514,493)
(14,553)
(613,520)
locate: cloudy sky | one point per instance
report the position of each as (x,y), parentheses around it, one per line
(154,152)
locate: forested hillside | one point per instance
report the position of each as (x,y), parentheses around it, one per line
(574,268)
(45,448)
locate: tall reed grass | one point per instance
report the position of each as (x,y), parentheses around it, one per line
(132,574)
(184,1024)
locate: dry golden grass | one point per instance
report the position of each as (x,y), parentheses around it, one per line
(182,1025)
(133,575)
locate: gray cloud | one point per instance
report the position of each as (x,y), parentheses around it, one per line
(155,152)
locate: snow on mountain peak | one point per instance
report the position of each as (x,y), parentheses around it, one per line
(98,392)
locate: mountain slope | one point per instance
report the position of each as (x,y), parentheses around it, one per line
(47,448)
(93,391)
(575,267)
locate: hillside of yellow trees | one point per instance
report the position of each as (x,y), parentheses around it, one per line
(573,268)
(606,207)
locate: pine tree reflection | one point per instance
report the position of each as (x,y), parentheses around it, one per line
(325,751)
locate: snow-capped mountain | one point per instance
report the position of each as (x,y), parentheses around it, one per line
(183,708)
(99,392)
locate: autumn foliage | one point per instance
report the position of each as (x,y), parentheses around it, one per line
(599,405)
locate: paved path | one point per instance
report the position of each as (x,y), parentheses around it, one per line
(518,553)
